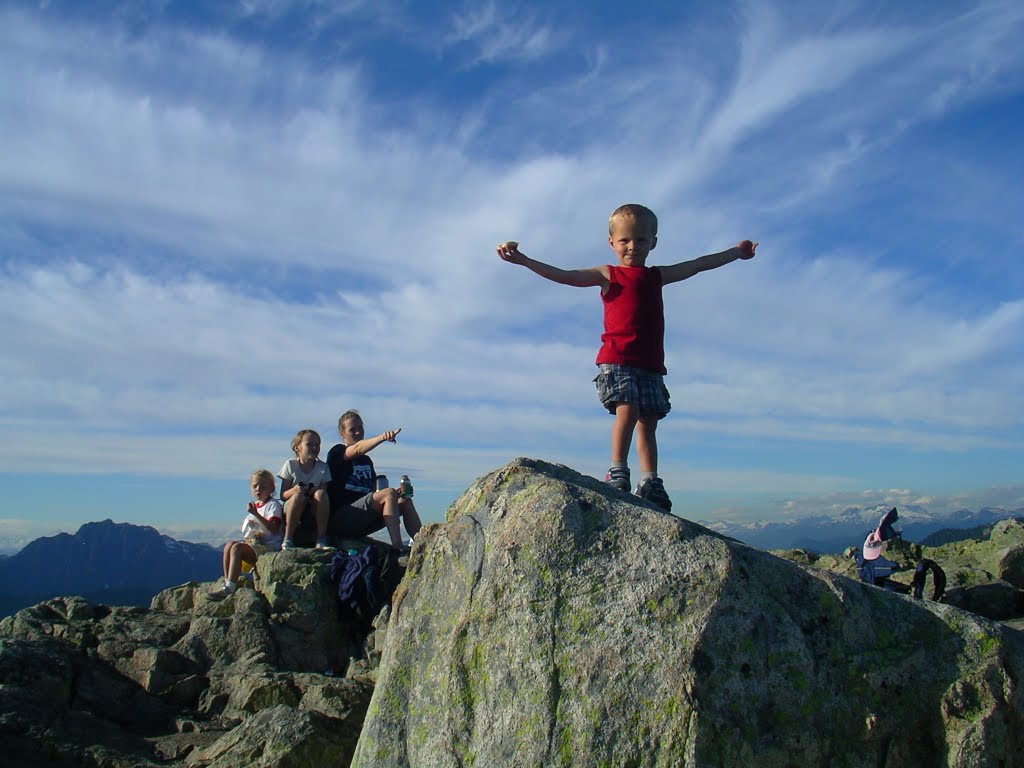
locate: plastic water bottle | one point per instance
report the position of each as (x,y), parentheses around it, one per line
(405,487)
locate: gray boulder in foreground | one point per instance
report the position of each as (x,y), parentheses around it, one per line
(553,621)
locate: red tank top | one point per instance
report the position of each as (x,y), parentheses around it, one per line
(634,319)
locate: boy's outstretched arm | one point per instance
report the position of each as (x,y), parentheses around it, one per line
(578,278)
(676,272)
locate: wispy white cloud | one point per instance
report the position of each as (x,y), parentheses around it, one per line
(210,239)
(500,32)
(124,349)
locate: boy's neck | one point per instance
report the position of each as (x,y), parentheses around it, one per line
(307,464)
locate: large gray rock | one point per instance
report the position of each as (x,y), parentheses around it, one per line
(59,708)
(552,621)
(280,737)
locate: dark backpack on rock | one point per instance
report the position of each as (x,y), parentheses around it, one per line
(366,582)
(938,579)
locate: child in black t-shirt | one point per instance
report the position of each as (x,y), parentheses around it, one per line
(357,508)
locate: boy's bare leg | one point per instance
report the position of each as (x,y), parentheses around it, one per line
(651,486)
(647,443)
(293,509)
(322,512)
(410,517)
(626,416)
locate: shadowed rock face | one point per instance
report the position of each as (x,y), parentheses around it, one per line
(553,621)
(188,681)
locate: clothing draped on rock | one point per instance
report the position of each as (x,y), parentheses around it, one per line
(366,582)
(925,565)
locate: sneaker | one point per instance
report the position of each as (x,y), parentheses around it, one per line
(219,594)
(618,477)
(322,544)
(287,544)
(403,555)
(653,490)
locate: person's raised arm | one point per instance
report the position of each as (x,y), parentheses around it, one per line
(676,272)
(367,444)
(578,278)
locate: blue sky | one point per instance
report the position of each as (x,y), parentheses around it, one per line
(223,222)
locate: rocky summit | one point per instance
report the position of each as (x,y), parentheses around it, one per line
(554,622)
(550,621)
(256,680)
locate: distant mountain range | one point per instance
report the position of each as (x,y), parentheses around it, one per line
(106,562)
(125,564)
(826,534)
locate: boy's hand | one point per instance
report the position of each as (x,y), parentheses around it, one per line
(390,435)
(252,507)
(509,251)
(747,249)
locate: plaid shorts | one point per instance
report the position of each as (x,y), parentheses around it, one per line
(625,384)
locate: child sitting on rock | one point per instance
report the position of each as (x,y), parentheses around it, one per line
(304,482)
(359,508)
(261,532)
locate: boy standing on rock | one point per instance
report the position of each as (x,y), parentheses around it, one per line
(632,355)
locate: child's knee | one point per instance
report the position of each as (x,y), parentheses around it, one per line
(320,495)
(385,496)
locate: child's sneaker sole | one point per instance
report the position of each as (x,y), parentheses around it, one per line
(217,595)
(654,492)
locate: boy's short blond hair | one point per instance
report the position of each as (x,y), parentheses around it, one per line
(634,212)
(298,438)
(263,475)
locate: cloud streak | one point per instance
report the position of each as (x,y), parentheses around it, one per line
(210,243)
